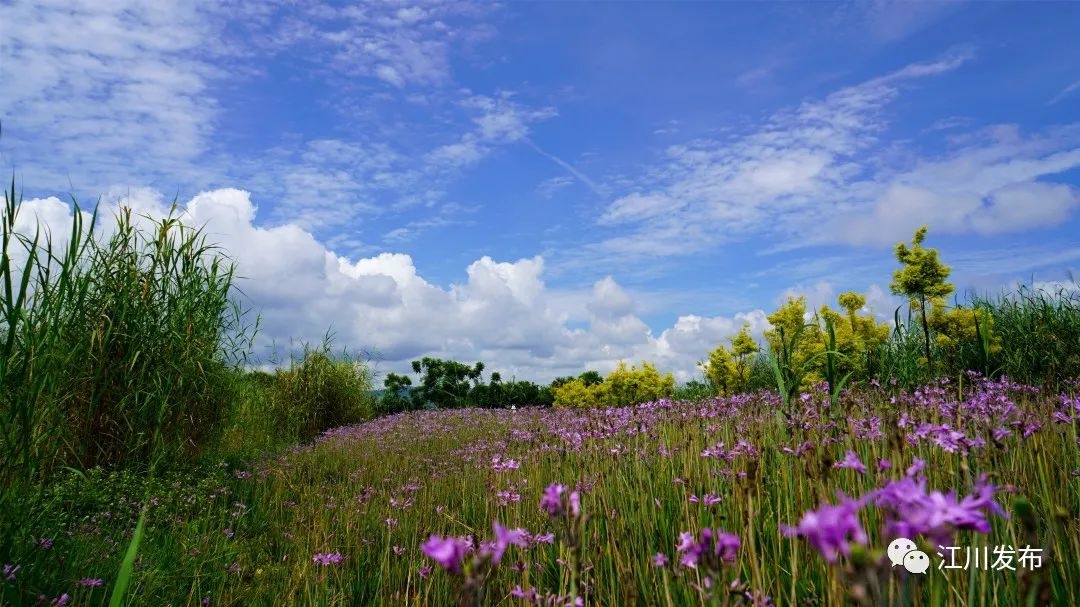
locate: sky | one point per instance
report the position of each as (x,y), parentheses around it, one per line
(551,187)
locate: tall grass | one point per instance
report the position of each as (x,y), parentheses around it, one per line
(1039,331)
(320,391)
(117,347)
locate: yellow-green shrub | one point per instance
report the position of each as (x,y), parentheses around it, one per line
(620,388)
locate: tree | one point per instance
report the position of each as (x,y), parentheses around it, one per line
(922,279)
(719,370)
(742,346)
(398,394)
(445,383)
(591,378)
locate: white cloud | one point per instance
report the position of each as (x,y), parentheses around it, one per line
(1065,92)
(498,120)
(502,312)
(93,82)
(817,295)
(820,174)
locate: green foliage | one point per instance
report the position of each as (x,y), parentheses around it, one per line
(623,386)
(115,349)
(444,383)
(628,386)
(318,392)
(693,390)
(728,371)
(397,395)
(923,279)
(575,393)
(795,344)
(591,378)
(1038,332)
(449,384)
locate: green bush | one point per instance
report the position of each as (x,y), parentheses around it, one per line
(113,348)
(622,387)
(318,392)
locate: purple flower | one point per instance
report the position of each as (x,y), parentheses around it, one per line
(60,601)
(916,467)
(851,461)
(530,595)
(89,582)
(44,543)
(505,537)
(935,514)
(505,497)
(425,571)
(544,538)
(9,571)
(713,548)
(447,552)
(883,464)
(328,558)
(830,529)
(552,499)
(659,559)
(500,466)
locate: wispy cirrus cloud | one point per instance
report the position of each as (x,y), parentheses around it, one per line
(497,120)
(821,173)
(115,88)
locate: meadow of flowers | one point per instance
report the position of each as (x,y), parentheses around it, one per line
(726,501)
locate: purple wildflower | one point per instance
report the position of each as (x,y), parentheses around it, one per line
(61,600)
(552,499)
(447,552)
(530,595)
(44,543)
(916,467)
(851,461)
(425,571)
(935,514)
(544,538)
(89,582)
(713,547)
(327,558)
(9,571)
(659,559)
(505,537)
(830,529)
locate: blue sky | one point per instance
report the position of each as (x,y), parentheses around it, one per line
(556,186)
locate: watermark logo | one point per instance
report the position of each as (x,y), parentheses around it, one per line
(997,558)
(902,551)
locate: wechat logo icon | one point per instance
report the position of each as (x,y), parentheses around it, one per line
(902,551)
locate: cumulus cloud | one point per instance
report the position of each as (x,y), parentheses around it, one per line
(502,312)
